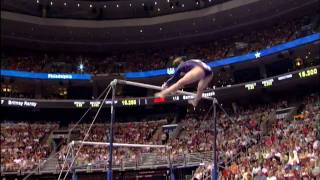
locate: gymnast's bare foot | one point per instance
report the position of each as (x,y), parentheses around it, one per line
(193,102)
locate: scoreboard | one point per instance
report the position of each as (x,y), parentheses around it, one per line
(133,102)
(129,102)
(308,73)
(270,82)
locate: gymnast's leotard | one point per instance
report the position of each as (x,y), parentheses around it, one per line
(186,67)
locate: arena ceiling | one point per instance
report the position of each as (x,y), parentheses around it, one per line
(105,9)
(23,31)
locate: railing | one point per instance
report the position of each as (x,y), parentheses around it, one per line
(145,161)
(207,173)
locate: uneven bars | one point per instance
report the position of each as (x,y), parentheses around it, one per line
(118,144)
(148,86)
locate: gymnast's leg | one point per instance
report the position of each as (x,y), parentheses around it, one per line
(202,85)
(195,74)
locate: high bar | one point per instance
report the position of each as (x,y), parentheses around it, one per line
(119,144)
(149,86)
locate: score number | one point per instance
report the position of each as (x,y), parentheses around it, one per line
(308,73)
(129,102)
(78,104)
(250,86)
(267,83)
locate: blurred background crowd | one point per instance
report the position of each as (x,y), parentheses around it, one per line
(254,143)
(119,62)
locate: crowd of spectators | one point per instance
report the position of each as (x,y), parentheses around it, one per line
(194,136)
(129,133)
(235,133)
(118,62)
(253,144)
(203,172)
(24,145)
(289,150)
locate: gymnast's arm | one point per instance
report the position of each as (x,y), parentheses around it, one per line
(174,78)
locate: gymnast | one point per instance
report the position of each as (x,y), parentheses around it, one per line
(188,72)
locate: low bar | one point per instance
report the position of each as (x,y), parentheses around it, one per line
(148,86)
(119,144)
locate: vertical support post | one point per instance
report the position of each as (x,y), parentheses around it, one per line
(172,177)
(74,175)
(214,171)
(113,87)
(39,166)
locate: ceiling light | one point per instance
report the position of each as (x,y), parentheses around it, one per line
(141,30)
(159,9)
(155,3)
(161,29)
(182,5)
(78,5)
(38,1)
(117,5)
(64,3)
(51,3)
(209,0)
(81,66)
(130,4)
(168,0)
(105,6)
(90,5)
(142,4)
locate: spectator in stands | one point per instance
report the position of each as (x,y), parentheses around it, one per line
(24,145)
(135,61)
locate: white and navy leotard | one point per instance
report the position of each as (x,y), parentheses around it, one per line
(186,67)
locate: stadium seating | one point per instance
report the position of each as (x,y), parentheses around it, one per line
(160,58)
(24,145)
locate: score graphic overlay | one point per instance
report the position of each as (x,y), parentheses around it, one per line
(272,82)
(250,86)
(284,77)
(158,100)
(267,83)
(308,73)
(79,104)
(95,104)
(129,102)
(175,98)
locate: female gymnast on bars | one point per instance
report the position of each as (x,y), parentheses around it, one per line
(186,73)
